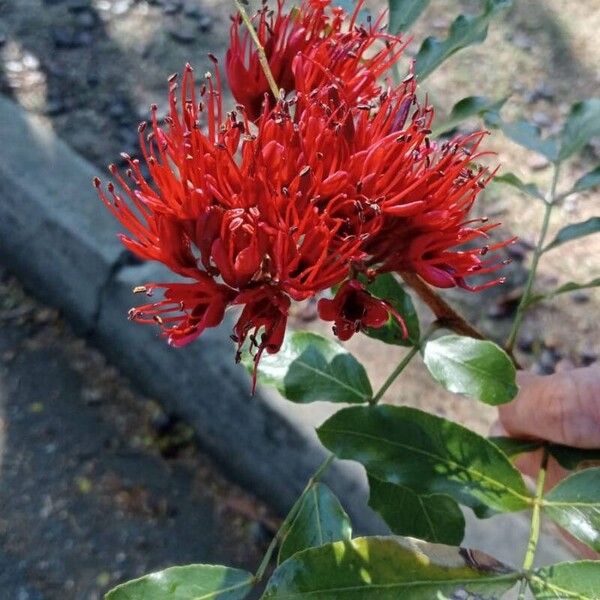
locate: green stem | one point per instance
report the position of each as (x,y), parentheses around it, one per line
(537,254)
(260,572)
(445,315)
(403,364)
(262,57)
(534,534)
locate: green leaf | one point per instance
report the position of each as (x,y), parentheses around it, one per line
(403,13)
(472,106)
(476,368)
(379,568)
(571,286)
(525,134)
(191,582)
(428,454)
(513,447)
(465,31)
(310,367)
(575,231)
(588,181)
(320,519)
(387,288)
(575,505)
(567,581)
(527,188)
(433,517)
(566,456)
(573,458)
(582,124)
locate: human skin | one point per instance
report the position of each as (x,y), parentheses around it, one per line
(563,408)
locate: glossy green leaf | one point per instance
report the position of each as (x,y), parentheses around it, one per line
(403,13)
(465,30)
(527,188)
(574,458)
(574,232)
(566,456)
(476,368)
(575,505)
(582,124)
(428,454)
(472,106)
(525,134)
(191,582)
(588,181)
(514,447)
(567,581)
(309,367)
(320,519)
(571,286)
(387,288)
(380,568)
(430,517)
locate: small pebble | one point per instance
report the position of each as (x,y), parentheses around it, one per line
(205,24)
(522,40)
(259,533)
(182,33)
(542,92)
(172,8)
(498,310)
(588,357)
(541,119)
(547,361)
(121,7)
(86,20)
(537,162)
(580,297)
(162,422)
(518,250)
(525,342)
(78,5)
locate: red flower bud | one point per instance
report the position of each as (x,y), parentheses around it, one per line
(353,308)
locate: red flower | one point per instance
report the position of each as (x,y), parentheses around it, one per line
(307,48)
(282,35)
(187,309)
(321,188)
(353,309)
(235,210)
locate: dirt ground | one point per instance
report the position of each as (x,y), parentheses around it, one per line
(97,483)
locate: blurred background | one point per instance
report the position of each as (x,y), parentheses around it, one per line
(100,482)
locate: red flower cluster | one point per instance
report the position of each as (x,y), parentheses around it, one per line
(307,48)
(280,200)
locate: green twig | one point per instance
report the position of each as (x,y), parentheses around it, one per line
(537,253)
(403,363)
(534,534)
(288,520)
(262,57)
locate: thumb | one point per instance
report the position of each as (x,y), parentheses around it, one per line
(563,408)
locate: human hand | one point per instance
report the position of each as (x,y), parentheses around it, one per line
(563,408)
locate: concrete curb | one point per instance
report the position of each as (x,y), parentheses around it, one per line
(62,242)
